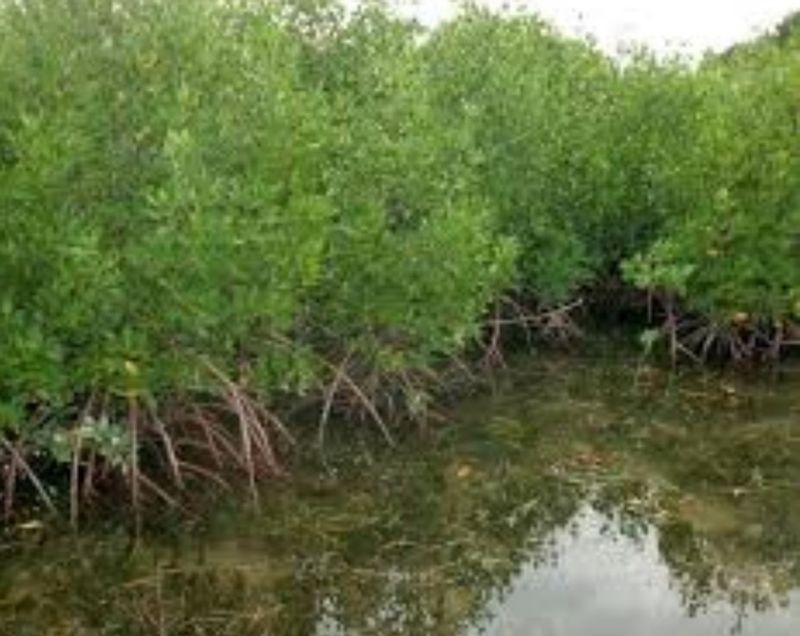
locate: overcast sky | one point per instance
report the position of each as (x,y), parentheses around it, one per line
(665,25)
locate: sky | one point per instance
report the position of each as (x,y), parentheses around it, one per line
(667,26)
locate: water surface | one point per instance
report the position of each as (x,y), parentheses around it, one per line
(585,496)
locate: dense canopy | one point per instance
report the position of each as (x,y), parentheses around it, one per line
(210,210)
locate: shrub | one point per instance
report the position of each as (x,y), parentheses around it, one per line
(730,254)
(191,213)
(208,209)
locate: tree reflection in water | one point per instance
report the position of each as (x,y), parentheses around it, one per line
(581,498)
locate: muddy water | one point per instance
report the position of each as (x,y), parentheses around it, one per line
(586,496)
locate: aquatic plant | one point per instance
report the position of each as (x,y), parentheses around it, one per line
(200,226)
(215,215)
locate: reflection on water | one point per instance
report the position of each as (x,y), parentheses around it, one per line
(606,584)
(585,497)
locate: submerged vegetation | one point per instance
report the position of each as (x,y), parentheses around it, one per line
(674,487)
(218,217)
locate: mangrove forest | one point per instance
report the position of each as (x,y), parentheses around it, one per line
(422,297)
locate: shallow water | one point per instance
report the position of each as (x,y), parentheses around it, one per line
(586,496)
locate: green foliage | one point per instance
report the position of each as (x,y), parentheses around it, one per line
(247,187)
(259,188)
(685,179)
(732,249)
(526,99)
(413,257)
(579,156)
